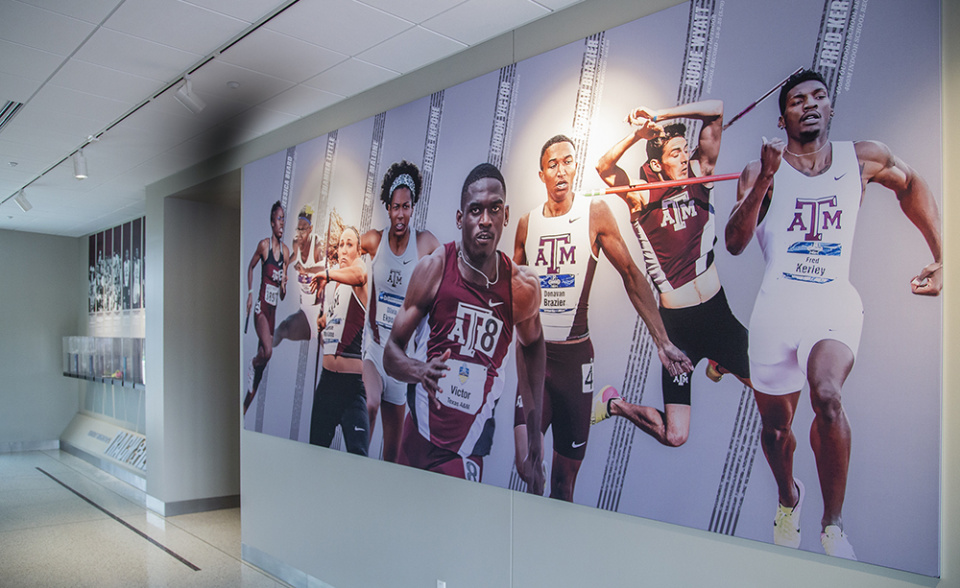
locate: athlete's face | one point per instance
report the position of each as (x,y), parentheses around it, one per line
(675,161)
(558,168)
(303,228)
(276,223)
(399,211)
(482,216)
(807,111)
(348,250)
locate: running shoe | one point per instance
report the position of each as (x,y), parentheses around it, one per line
(836,543)
(786,525)
(601,404)
(714,371)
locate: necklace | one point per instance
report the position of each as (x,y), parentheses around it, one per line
(811,153)
(469,265)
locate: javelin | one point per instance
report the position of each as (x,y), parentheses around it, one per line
(663,184)
(760,99)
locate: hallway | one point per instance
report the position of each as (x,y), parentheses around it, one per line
(64,522)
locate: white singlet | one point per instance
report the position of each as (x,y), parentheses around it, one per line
(806,296)
(308,299)
(558,248)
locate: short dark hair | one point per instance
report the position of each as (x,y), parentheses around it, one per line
(484,170)
(794,81)
(273,209)
(655,145)
(553,141)
(396,170)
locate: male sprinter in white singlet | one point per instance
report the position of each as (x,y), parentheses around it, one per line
(391,265)
(807,319)
(675,227)
(474,298)
(561,241)
(307,258)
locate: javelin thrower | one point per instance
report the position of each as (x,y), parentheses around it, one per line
(672,214)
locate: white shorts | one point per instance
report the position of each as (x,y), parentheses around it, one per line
(784,328)
(393,391)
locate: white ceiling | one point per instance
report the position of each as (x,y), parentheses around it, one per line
(108,69)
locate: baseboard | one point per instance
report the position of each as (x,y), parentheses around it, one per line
(279,569)
(181,507)
(118,472)
(18,446)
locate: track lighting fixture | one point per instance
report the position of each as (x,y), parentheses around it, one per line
(185,96)
(22,202)
(79,165)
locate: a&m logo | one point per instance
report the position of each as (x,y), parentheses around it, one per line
(554,251)
(676,210)
(475,329)
(810,213)
(395,279)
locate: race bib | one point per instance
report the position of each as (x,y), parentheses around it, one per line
(271,294)
(461,387)
(587,377)
(388,305)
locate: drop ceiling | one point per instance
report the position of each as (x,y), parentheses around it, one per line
(101,75)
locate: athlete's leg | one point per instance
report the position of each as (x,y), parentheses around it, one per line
(374,386)
(295,327)
(829,365)
(670,427)
(778,441)
(354,419)
(264,352)
(563,476)
(392,417)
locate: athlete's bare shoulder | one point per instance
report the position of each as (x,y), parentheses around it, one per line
(370,241)
(526,292)
(427,243)
(425,280)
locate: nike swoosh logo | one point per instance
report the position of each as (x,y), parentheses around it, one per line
(355,428)
(581,444)
(835,178)
(574,219)
(493,304)
(406,261)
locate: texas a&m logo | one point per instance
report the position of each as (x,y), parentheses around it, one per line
(809,214)
(475,329)
(676,210)
(395,279)
(554,251)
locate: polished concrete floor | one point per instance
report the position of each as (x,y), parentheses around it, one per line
(64,522)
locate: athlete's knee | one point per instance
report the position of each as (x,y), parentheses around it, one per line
(826,402)
(774,434)
(675,438)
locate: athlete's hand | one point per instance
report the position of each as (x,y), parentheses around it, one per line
(317,284)
(771,154)
(674,360)
(249,302)
(930,280)
(533,464)
(432,372)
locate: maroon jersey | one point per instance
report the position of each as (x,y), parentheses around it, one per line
(271,278)
(476,325)
(676,232)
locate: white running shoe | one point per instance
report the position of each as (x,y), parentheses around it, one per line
(786,525)
(836,543)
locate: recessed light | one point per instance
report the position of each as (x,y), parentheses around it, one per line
(233,85)
(13,164)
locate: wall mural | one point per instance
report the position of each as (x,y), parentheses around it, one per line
(443,282)
(116,269)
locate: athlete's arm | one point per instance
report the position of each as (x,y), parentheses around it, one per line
(519,242)
(613,175)
(351,275)
(257,256)
(878,164)
(709,112)
(641,297)
(427,243)
(531,368)
(286,267)
(755,181)
(370,241)
(424,284)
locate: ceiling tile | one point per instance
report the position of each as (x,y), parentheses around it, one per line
(411,50)
(23,61)
(342,25)
(247,10)
(16,88)
(91,11)
(24,129)
(476,21)
(211,81)
(42,29)
(272,53)
(102,111)
(558,4)
(175,24)
(415,11)
(132,55)
(301,101)
(351,77)
(101,81)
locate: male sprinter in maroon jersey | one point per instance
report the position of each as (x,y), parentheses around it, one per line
(561,241)
(675,227)
(807,319)
(473,298)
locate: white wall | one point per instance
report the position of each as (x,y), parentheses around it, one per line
(357,523)
(42,275)
(192,374)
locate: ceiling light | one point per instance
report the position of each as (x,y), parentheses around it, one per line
(79,165)
(22,202)
(185,96)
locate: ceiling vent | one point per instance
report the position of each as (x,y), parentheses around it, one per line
(10,109)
